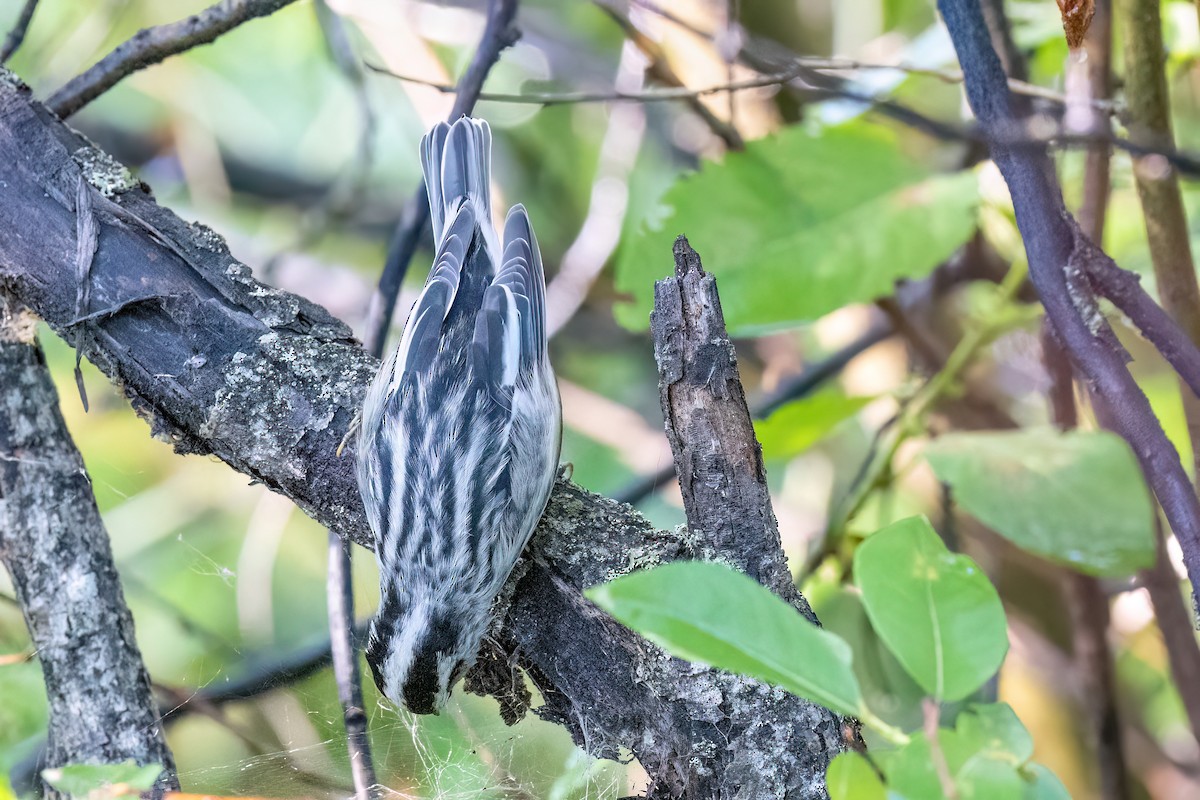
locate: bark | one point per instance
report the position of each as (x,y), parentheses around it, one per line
(54,546)
(220,364)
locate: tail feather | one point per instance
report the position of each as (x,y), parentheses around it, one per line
(457,163)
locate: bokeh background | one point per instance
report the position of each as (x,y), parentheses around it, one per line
(306,169)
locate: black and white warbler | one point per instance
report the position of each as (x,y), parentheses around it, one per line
(460,432)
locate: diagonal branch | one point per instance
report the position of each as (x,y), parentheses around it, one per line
(268,382)
(152,45)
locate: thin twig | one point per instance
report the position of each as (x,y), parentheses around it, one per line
(1175,625)
(339,593)
(16,34)
(764,81)
(153,45)
(499,33)
(660,70)
(1046,131)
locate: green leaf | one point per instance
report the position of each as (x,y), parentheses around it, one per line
(713,614)
(935,610)
(798,425)
(802,223)
(995,726)
(851,777)
(1077,498)
(1044,784)
(80,780)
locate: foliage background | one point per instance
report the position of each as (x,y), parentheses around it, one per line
(255,134)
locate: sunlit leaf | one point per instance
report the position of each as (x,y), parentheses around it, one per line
(802,223)
(1078,498)
(798,425)
(935,610)
(713,614)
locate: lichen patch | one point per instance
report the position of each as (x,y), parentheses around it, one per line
(107,175)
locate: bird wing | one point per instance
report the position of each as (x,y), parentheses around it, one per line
(510,330)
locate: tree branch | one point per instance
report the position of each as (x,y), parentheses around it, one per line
(153,45)
(1058,258)
(268,382)
(54,546)
(16,34)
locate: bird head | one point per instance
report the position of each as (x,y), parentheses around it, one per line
(418,652)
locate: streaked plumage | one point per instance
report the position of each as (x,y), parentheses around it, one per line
(460,431)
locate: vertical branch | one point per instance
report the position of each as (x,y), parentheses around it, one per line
(1087,605)
(1060,261)
(717,456)
(1157,183)
(339,593)
(54,546)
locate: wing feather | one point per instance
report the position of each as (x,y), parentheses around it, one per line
(510,332)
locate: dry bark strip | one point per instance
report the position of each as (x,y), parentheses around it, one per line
(220,364)
(54,546)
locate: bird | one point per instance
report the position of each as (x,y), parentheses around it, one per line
(460,431)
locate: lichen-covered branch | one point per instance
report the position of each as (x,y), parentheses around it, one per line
(152,45)
(220,364)
(54,546)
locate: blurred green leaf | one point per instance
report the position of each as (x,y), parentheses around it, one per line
(713,614)
(1077,498)
(1042,784)
(80,780)
(995,726)
(980,764)
(887,688)
(800,424)
(802,223)
(851,777)
(936,610)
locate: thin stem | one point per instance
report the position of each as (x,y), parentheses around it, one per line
(339,592)
(912,418)
(767,80)
(16,35)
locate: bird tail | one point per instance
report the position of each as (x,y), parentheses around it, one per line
(457,163)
